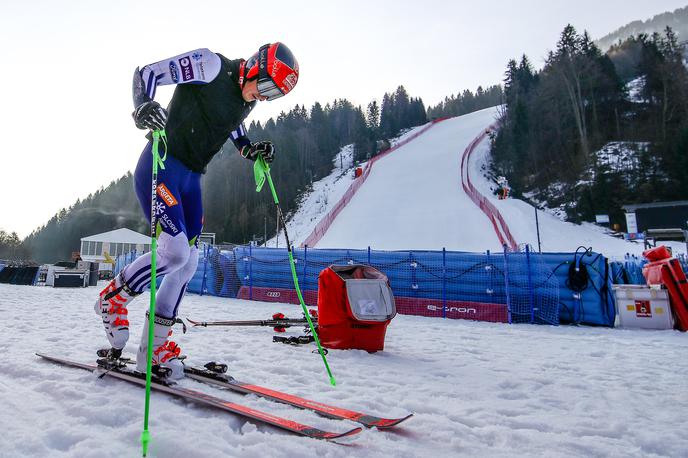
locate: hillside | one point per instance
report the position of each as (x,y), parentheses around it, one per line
(413,199)
(677,20)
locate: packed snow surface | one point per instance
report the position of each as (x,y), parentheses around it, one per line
(413,200)
(318,200)
(476,389)
(325,194)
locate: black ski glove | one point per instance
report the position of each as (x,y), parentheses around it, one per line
(150,115)
(265,149)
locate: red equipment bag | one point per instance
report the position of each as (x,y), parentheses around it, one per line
(355,306)
(667,271)
(657,254)
(652,271)
(677,284)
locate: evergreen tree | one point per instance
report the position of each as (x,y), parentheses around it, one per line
(373,116)
(555,120)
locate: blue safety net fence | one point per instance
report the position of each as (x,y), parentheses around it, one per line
(510,286)
(630,270)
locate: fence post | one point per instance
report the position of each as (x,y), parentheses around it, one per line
(506,283)
(413,264)
(305,265)
(537,226)
(250,272)
(489,277)
(368,254)
(206,250)
(444,282)
(530,286)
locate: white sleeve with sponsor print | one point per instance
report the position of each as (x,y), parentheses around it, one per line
(200,66)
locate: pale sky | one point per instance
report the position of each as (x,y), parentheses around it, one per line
(65,86)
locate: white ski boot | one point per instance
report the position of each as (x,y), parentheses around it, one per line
(111,307)
(165,352)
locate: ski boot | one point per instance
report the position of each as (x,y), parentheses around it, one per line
(167,357)
(111,307)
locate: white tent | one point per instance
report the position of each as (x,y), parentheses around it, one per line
(113,243)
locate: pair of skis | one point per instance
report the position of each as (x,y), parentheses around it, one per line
(213,375)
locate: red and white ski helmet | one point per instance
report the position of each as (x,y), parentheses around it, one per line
(275,67)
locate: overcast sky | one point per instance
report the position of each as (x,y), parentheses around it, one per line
(65,82)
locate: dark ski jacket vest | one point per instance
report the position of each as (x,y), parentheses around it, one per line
(201,116)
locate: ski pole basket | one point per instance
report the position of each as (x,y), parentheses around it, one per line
(355,306)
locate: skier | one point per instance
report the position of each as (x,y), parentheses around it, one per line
(212,98)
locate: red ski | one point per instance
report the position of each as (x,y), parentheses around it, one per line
(212,401)
(224,381)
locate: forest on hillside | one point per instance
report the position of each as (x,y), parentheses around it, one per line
(677,20)
(559,124)
(306,140)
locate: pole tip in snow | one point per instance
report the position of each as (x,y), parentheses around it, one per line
(332,381)
(145,440)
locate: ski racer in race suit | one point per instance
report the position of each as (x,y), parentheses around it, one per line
(213,96)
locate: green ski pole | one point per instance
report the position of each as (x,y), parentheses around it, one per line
(261,171)
(157,161)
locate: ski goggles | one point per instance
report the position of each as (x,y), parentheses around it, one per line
(268,88)
(283,67)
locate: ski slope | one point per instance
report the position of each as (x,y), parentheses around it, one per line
(413,200)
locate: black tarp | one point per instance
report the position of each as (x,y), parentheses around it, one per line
(18,275)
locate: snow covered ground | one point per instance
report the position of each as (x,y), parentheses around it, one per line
(317,202)
(477,389)
(325,194)
(635,90)
(413,198)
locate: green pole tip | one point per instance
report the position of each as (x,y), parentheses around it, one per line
(332,382)
(145,440)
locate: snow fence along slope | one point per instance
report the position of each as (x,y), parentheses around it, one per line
(500,226)
(413,199)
